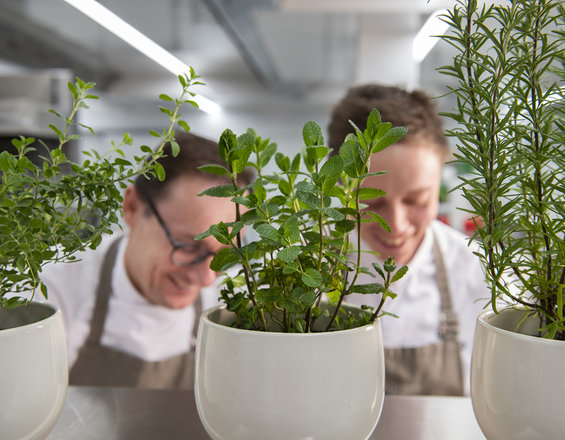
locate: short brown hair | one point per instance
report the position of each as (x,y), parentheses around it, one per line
(413,110)
(195,151)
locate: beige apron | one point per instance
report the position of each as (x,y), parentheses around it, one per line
(431,369)
(103,366)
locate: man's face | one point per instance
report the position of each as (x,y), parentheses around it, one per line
(411,201)
(147,256)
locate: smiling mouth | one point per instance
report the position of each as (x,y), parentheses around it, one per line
(393,243)
(183,285)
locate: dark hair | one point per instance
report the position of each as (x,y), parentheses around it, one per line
(413,110)
(194,151)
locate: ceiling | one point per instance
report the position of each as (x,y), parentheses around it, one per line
(267,63)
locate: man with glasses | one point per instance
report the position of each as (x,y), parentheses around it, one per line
(131,307)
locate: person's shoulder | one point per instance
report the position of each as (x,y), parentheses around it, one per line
(83,260)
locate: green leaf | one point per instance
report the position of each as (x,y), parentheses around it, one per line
(224,259)
(160,171)
(219,191)
(311,277)
(175,148)
(6,161)
(367,288)
(120,161)
(345,226)
(376,218)
(268,296)
(227,142)
(300,325)
(237,159)
(309,198)
(374,121)
(306,297)
(184,125)
(312,134)
(378,269)
(291,268)
(399,273)
(290,304)
(331,172)
(285,188)
(267,231)
(266,154)
(217,170)
(221,233)
(391,137)
(353,157)
(282,161)
(289,254)
(290,229)
(334,213)
(245,201)
(370,193)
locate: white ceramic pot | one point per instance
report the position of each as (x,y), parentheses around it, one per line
(266,386)
(33,371)
(517,380)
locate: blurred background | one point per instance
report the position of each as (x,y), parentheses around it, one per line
(267,64)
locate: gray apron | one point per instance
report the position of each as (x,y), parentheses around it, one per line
(434,369)
(103,366)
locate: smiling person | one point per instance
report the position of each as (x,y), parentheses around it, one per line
(131,307)
(428,347)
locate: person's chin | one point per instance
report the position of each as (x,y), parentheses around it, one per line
(179,300)
(178,297)
(399,250)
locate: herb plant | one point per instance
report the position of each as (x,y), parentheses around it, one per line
(509,72)
(308,223)
(52,209)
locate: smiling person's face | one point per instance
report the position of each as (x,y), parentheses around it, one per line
(411,201)
(185,214)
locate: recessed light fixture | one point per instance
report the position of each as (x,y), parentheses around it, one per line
(142,43)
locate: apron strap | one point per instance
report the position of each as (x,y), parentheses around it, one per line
(449,322)
(103,293)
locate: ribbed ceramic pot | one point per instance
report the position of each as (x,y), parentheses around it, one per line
(254,385)
(33,371)
(517,379)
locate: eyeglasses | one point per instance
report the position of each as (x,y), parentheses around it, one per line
(182,254)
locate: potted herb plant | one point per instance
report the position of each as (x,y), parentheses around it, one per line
(509,72)
(49,210)
(284,356)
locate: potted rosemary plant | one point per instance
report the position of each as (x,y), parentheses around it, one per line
(284,356)
(49,211)
(509,72)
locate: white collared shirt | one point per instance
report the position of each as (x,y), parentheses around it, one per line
(133,325)
(418,302)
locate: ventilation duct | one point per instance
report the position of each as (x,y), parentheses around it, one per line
(26,98)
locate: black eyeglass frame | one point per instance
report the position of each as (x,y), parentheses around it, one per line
(178,244)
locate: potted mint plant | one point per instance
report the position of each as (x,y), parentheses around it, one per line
(284,356)
(509,77)
(49,211)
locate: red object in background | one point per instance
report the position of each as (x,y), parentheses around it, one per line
(444,218)
(470,225)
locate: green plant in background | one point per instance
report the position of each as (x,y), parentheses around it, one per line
(509,72)
(52,209)
(308,225)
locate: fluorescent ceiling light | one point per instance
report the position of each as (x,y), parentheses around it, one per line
(142,43)
(427,36)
